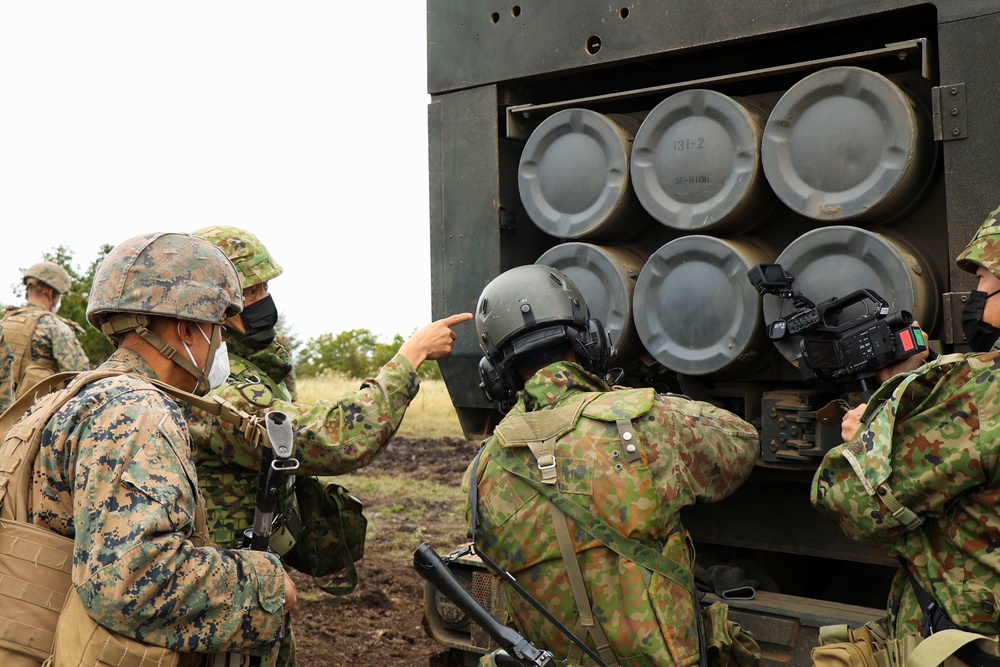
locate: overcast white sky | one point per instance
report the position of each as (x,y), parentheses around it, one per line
(304,122)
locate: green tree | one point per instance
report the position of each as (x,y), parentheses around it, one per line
(350,353)
(356,353)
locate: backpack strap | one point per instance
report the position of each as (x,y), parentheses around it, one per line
(540,430)
(586,626)
(17,409)
(249,426)
(17,455)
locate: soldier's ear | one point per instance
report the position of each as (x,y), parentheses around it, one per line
(187,332)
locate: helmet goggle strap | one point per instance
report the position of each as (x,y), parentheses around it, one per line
(121,323)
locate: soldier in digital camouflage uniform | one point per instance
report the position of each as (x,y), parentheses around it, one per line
(115,470)
(927,457)
(6,374)
(632,457)
(332,437)
(43,343)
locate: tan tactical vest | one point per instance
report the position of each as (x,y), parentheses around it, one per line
(36,563)
(19,327)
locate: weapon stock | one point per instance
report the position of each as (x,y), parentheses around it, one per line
(520,651)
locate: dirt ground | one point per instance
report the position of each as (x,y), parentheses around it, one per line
(379,623)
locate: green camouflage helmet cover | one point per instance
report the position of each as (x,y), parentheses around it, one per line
(170,274)
(51,274)
(984,248)
(253,262)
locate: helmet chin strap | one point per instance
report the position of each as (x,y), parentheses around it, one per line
(120,324)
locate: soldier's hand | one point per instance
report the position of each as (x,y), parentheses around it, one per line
(291,595)
(906,365)
(851,422)
(434,341)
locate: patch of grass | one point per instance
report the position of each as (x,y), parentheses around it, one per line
(430,415)
(403,511)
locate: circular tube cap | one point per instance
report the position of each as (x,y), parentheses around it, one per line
(606,277)
(846,144)
(573,176)
(695,310)
(696,162)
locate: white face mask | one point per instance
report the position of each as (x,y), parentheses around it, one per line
(219,371)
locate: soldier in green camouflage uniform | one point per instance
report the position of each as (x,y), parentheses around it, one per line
(922,474)
(6,373)
(632,457)
(115,470)
(332,437)
(42,342)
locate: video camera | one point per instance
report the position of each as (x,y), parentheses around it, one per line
(834,346)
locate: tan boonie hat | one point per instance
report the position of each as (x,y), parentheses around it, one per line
(984,248)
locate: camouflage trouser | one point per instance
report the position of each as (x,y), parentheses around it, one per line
(284,656)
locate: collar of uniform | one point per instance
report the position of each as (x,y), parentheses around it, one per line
(275,361)
(129,361)
(554,383)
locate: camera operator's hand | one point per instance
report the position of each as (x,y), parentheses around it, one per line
(906,365)
(851,422)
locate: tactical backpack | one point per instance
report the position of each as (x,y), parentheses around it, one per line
(19,328)
(720,640)
(36,563)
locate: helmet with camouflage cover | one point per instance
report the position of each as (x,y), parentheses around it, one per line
(984,248)
(253,262)
(169,274)
(51,274)
(525,314)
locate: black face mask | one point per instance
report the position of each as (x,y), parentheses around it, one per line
(978,334)
(259,319)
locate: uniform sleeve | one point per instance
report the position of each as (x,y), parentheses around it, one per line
(934,438)
(702,453)
(331,437)
(65,346)
(135,569)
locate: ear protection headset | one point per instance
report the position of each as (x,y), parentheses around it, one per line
(499,379)
(527,315)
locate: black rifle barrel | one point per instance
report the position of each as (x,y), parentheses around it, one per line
(429,565)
